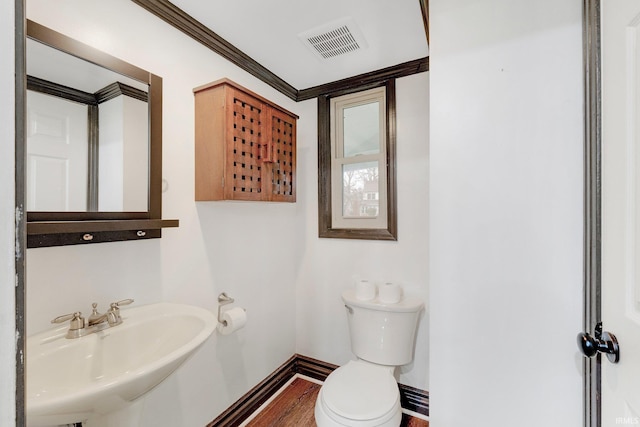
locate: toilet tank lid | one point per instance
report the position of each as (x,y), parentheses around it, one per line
(408,304)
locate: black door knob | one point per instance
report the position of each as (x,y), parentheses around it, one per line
(587,344)
(603,342)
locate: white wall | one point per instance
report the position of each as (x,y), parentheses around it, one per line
(136,154)
(7,217)
(123,155)
(245,249)
(328,266)
(111,154)
(506,212)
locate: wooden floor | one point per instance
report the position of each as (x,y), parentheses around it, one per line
(294,408)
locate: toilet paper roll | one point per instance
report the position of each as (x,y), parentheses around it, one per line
(232,320)
(365,290)
(390,293)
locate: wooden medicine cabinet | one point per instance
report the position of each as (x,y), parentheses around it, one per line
(245,145)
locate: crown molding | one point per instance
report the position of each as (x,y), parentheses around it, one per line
(184,22)
(190,26)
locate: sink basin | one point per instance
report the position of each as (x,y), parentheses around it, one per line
(71,380)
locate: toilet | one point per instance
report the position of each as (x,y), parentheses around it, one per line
(364,392)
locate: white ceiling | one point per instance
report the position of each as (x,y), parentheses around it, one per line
(268,31)
(59,67)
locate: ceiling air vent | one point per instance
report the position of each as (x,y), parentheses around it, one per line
(334,39)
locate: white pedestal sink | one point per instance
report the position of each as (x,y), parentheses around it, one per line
(72,380)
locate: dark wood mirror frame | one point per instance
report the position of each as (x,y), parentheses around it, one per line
(69,228)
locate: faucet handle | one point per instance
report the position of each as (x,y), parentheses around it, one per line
(77,321)
(66,317)
(114,312)
(119,303)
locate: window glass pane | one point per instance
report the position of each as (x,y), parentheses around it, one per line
(360,192)
(361,129)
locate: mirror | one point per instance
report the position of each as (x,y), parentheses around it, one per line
(87,135)
(94,144)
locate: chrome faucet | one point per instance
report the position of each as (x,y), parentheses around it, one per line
(79,327)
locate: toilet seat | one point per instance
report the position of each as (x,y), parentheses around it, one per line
(360,394)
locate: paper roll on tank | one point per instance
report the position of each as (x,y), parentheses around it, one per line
(365,290)
(390,293)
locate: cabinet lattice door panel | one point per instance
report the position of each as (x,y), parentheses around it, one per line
(282,150)
(245,146)
(244,167)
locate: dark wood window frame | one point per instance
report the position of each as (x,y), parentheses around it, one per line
(325,228)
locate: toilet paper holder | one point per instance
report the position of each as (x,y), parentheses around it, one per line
(223,299)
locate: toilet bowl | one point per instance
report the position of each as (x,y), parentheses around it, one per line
(359,394)
(364,392)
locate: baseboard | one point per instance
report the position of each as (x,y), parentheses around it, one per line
(235,414)
(411,398)
(313,368)
(414,399)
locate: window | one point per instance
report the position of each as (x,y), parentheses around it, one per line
(356,142)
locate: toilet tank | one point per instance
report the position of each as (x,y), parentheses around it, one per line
(382,333)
